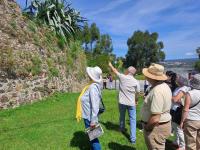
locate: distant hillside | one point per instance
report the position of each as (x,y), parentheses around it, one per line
(182,60)
(180,66)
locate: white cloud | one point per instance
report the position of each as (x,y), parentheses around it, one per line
(110,6)
(190,54)
(176,21)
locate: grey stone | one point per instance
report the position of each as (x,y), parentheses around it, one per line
(2,91)
(4,99)
(14,94)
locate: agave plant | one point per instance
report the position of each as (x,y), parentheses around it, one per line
(57,14)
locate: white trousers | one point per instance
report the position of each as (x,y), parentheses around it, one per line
(180,141)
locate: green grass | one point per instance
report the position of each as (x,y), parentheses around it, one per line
(140,77)
(51,125)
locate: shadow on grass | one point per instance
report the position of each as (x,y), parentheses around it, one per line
(116,146)
(139,125)
(111,126)
(80,140)
(169,145)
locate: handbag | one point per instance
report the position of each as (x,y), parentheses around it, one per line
(95,132)
(101,107)
(177,114)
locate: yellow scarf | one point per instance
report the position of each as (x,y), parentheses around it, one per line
(78,106)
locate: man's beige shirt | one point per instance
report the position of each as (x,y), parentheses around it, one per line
(158,101)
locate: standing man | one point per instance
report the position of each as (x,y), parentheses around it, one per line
(155,112)
(110,81)
(128,88)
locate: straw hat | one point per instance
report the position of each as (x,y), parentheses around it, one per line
(155,71)
(195,82)
(94,73)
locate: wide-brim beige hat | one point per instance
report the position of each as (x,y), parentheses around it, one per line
(155,72)
(95,73)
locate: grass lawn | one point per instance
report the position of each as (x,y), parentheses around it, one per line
(51,124)
(140,77)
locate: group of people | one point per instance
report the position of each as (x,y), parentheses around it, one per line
(165,94)
(108,82)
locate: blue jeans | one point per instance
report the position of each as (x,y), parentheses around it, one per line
(95,145)
(132,119)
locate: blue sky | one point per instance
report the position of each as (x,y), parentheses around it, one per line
(176,21)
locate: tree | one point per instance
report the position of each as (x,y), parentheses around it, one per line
(198,51)
(144,49)
(95,34)
(86,35)
(100,60)
(197,64)
(106,44)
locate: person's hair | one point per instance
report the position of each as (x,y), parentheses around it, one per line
(173,77)
(182,81)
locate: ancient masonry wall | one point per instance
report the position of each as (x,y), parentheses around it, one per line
(14,93)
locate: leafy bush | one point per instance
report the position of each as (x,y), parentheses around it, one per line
(61,60)
(32,26)
(7,60)
(54,71)
(14,24)
(61,42)
(36,68)
(197,66)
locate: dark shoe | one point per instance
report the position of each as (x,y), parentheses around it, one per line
(133,142)
(123,130)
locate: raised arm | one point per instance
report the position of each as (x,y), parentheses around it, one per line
(178,97)
(113,68)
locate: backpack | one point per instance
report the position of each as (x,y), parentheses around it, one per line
(177,114)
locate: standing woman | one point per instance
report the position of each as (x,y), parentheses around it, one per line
(89,100)
(191,115)
(177,104)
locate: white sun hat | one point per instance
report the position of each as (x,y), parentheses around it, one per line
(95,73)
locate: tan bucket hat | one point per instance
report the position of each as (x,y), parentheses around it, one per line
(155,71)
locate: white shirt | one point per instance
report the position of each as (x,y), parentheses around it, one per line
(184,89)
(194,113)
(128,86)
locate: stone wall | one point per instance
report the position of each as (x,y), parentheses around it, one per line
(32,63)
(14,93)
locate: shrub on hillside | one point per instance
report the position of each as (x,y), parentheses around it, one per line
(197,66)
